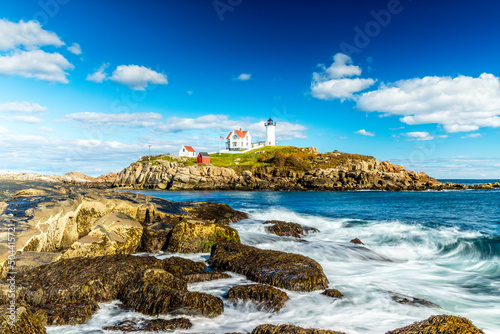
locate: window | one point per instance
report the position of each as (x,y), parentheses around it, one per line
(235,137)
(183,150)
(235,144)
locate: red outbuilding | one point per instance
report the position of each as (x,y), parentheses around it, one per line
(203,158)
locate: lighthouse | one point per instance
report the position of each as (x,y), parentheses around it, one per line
(270,132)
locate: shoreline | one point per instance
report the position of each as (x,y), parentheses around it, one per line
(150,224)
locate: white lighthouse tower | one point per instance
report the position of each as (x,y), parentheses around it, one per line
(270,132)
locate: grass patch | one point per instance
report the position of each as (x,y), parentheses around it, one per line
(281,157)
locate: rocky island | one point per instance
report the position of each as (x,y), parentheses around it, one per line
(268,168)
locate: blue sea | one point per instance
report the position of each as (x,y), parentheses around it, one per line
(441,246)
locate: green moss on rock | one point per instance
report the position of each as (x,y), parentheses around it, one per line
(440,324)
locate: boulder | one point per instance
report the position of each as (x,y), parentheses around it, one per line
(206,276)
(284,270)
(401,299)
(269,297)
(333,293)
(115,233)
(146,325)
(20,321)
(98,279)
(440,324)
(216,213)
(65,314)
(154,237)
(290,329)
(194,236)
(356,241)
(285,229)
(158,293)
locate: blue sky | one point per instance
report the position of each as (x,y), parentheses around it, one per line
(86,85)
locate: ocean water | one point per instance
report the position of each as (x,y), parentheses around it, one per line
(440,246)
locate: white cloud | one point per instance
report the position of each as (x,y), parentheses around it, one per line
(24,119)
(3,130)
(119,119)
(21,107)
(460,104)
(244,77)
(333,82)
(339,88)
(36,64)
(341,67)
(190,92)
(75,49)
(98,76)
(363,132)
(29,35)
(471,135)
(420,135)
(137,77)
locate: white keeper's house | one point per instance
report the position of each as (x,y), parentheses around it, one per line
(187,151)
(239,140)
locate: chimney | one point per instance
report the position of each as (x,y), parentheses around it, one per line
(240,129)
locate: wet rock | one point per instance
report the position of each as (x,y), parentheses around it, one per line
(21,322)
(194,236)
(269,297)
(154,237)
(285,229)
(290,329)
(146,325)
(115,233)
(216,213)
(30,192)
(284,270)
(440,324)
(356,241)
(206,276)
(65,314)
(96,279)
(161,297)
(333,293)
(401,299)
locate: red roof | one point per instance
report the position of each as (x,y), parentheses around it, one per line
(190,149)
(240,134)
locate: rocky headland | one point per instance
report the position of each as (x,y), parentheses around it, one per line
(276,168)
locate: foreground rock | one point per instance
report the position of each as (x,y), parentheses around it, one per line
(440,324)
(155,325)
(270,298)
(216,213)
(285,229)
(65,314)
(333,293)
(158,292)
(194,236)
(290,329)
(66,292)
(401,299)
(284,270)
(75,221)
(23,322)
(154,237)
(114,233)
